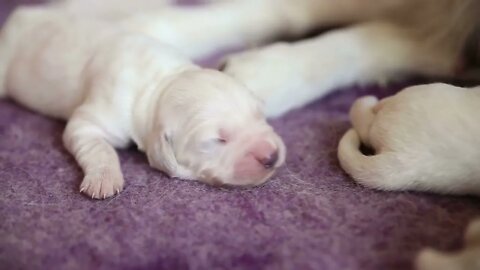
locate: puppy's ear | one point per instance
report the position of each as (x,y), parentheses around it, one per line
(160,152)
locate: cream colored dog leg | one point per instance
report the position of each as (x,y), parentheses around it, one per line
(88,143)
(201,30)
(288,76)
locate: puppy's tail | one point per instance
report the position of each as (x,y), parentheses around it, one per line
(362,115)
(381,170)
(377,171)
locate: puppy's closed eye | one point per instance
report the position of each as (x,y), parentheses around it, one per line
(221,140)
(211,145)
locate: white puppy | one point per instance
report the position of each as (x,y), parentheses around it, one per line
(424,139)
(115,86)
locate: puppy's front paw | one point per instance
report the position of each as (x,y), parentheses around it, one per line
(102,183)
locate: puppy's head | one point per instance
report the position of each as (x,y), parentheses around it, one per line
(210,128)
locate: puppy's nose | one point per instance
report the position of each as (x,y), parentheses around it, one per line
(269,161)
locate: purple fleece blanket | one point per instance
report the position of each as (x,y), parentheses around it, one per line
(309,216)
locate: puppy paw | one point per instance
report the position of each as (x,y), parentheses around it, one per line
(102,183)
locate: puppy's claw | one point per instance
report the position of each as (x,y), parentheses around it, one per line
(82,189)
(118,191)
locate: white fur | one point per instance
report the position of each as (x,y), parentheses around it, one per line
(115,86)
(313,68)
(422,138)
(201,30)
(388,38)
(377,48)
(419,135)
(108,9)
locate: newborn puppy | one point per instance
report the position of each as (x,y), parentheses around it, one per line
(425,138)
(115,87)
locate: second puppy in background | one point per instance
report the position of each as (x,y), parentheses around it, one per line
(425,138)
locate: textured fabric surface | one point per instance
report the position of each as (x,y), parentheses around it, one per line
(309,216)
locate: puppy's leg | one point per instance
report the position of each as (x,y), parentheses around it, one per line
(288,76)
(90,146)
(200,30)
